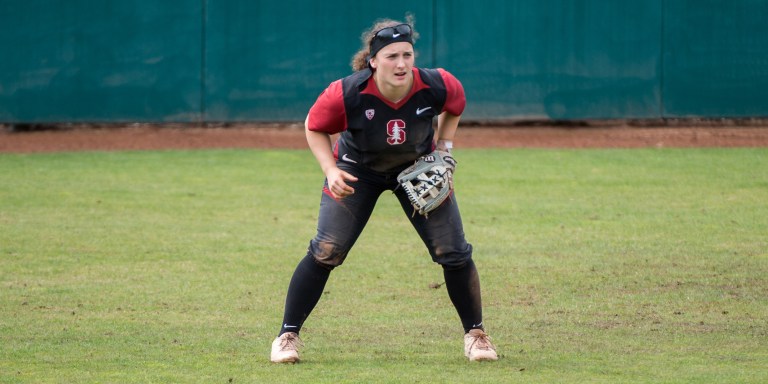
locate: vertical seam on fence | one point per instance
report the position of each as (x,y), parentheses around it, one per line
(434,34)
(662,55)
(203,46)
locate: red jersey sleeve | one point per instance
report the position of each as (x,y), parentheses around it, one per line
(328,114)
(455,101)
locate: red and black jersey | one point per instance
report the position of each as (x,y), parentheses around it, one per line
(378,134)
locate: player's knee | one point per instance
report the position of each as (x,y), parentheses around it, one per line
(452,258)
(328,254)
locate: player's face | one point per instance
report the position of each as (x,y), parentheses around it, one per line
(394,63)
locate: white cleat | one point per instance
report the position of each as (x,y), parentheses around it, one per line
(285,348)
(478,347)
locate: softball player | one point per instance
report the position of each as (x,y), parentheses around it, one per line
(383,114)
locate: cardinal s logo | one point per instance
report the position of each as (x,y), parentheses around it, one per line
(396,132)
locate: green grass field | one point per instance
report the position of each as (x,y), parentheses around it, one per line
(598,266)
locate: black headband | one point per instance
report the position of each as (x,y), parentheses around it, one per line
(389,35)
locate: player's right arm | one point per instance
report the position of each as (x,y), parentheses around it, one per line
(320,145)
(327,117)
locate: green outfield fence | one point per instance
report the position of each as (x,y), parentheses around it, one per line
(248,60)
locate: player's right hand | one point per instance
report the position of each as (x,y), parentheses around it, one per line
(337,183)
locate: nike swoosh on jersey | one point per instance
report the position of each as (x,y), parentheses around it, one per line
(419,111)
(346,158)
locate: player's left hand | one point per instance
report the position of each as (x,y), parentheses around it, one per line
(429,181)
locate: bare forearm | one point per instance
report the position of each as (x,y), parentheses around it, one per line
(447,125)
(320,145)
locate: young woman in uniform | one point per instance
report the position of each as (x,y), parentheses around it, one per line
(383,114)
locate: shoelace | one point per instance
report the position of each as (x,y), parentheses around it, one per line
(290,342)
(482,341)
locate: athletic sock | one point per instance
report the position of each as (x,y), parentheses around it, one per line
(463,285)
(304,292)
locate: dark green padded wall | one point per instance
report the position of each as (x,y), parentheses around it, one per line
(716,58)
(555,59)
(241,60)
(80,60)
(268,60)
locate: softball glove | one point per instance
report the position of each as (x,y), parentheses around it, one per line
(429,181)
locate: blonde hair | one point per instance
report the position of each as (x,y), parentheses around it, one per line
(360,59)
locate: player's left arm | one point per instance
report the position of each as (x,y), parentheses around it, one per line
(447,125)
(448,120)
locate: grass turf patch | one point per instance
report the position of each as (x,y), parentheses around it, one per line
(642,265)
